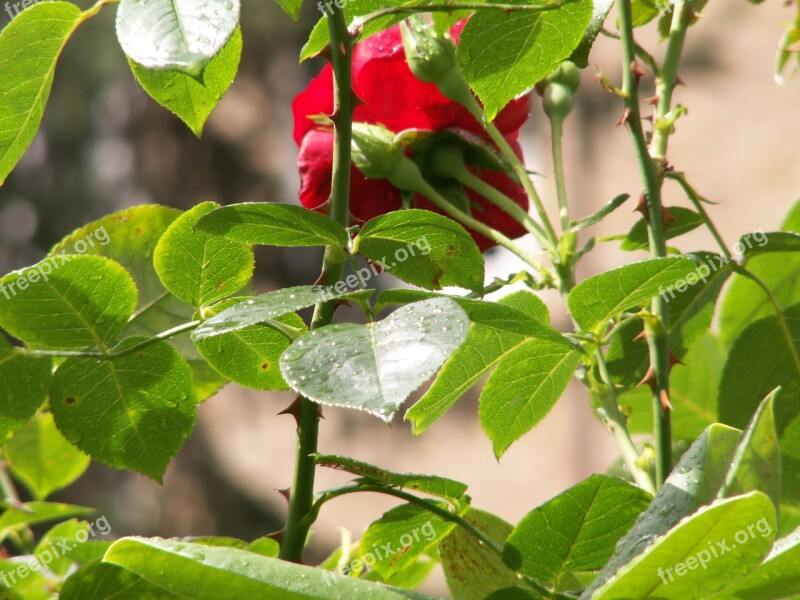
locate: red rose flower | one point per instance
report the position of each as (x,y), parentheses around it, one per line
(392,96)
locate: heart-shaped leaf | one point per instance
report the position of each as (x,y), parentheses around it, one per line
(134,412)
(185,35)
(375,367)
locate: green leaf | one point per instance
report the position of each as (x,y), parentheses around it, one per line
(503,54)
(701,554)
(250,356)
(776,578)
(690,314)
(427,484)
(30,46)
(775,241)
(318,38)
(485,347)
(197,267)
(24,381)
(389,359)
(193,99)
(422,248)
(67,302)
(596,300)
(266,307)
(274,224)
(757,462)
(161,34)
(599,13)
(102,581)
(513,593)
(402,535)
(130,238)
(37,512)
(201,572)
(519,312)
(745,302)
(35,586)
(54,549)
(601,214)
(291,7)
(575,531)
(42,459)
(524,388)
(685,221)
(133,412)
(472,570)
(766,355)
(644,11)
(695,481)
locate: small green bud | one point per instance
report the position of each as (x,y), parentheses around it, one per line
(378,154)
(432,59)
(567,74)
(429,55)
(557,101)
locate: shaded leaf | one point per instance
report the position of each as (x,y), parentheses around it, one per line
(42,459)
(133,412)
(389,359)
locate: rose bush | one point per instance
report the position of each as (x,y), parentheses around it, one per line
(389,94)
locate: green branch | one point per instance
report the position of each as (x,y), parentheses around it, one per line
(616,422)
(359,22)
(302,495)
(657,333)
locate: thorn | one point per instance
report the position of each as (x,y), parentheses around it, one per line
(277,536)
(642,335)
(650,379)
(325,53)
(653,100)
(674,360)
(342,48)
(626,117)
(641,206)
(650,118)
(294,410)
(285,493)
(667,217)
(357,101)
(637,70)
(663,398)
(679,81)
(318,411)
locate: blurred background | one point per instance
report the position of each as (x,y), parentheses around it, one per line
(105,145)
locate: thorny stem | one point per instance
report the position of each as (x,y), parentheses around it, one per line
(301,499)
(616,422)
(657,332)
